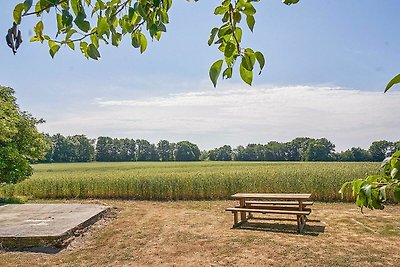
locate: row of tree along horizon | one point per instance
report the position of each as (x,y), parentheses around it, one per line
(79,148)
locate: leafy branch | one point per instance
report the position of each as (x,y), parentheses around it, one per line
(371,192)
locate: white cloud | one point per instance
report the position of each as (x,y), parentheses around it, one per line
(239,116)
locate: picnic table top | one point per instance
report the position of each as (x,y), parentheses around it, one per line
(272,196)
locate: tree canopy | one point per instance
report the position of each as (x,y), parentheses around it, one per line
(20,142)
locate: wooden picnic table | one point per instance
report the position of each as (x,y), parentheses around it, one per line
(281,203)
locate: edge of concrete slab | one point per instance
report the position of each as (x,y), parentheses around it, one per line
(60,241)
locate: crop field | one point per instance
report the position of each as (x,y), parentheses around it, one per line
(187,180)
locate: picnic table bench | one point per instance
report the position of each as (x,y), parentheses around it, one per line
(288,204)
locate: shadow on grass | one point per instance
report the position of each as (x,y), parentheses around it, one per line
(275,226)
(11,200)
(44,250)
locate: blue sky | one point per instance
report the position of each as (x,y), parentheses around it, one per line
(327,65)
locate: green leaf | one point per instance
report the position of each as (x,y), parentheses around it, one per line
(93,52)
(82,24)
(103,27)
(237,17)
(76,6)
(83,47)
(60,25)
(247,76)
(135,40)
(214,31)
(71,45)
(229,49)
(289,2)
(116,38)
(94,38)
(215,70)
(53,48)
(219,10)
(238,34)
(18,12)
(167,4)
(249,9)
(341,191)
(67,18)
(227,73)
(394,173)
(382,193)
(27,5)
(250,22)
(396,192)
(248,61)
(392,82)
(260,59)
(143,42)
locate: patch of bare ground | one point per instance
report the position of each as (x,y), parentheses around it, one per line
(198,233)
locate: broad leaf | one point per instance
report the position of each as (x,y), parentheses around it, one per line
(215,70)
(260,59)
(392,82)
(250,22)
(18,12)
(246,75)
(93,52)
(229,49)
(212,35)
(396,192)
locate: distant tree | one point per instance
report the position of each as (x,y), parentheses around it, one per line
(165,150)
(49,150)
(82,148)
(143,150)
(61,149)
(276,151)
(20,141)
(204,155)
(154,153)
(319,150)
(104,149)
(380,149)
(223,153)
(186,151)
(355,154)
(238,153)
(296,148)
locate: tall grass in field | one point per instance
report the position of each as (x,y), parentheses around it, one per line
(195,180)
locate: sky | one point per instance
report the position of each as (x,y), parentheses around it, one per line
(327,63)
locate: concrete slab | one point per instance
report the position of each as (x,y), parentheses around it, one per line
(24,225)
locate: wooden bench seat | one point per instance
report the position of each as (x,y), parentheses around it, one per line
(273,207)
(301,214)
(286,203)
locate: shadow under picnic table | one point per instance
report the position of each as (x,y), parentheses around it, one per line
(276,225)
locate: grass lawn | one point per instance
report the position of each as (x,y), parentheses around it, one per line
(198,233)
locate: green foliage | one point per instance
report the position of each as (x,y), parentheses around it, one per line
(371,192)
(96,21)
(20,142)
(92,23)
(228,38)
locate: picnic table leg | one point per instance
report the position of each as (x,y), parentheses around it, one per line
(242,213)
(235,219)
(301,219)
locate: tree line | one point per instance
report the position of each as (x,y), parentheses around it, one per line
(79,148)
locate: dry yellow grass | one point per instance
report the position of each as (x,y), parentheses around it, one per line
(198,233)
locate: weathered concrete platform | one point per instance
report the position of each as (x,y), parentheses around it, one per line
(26,225)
